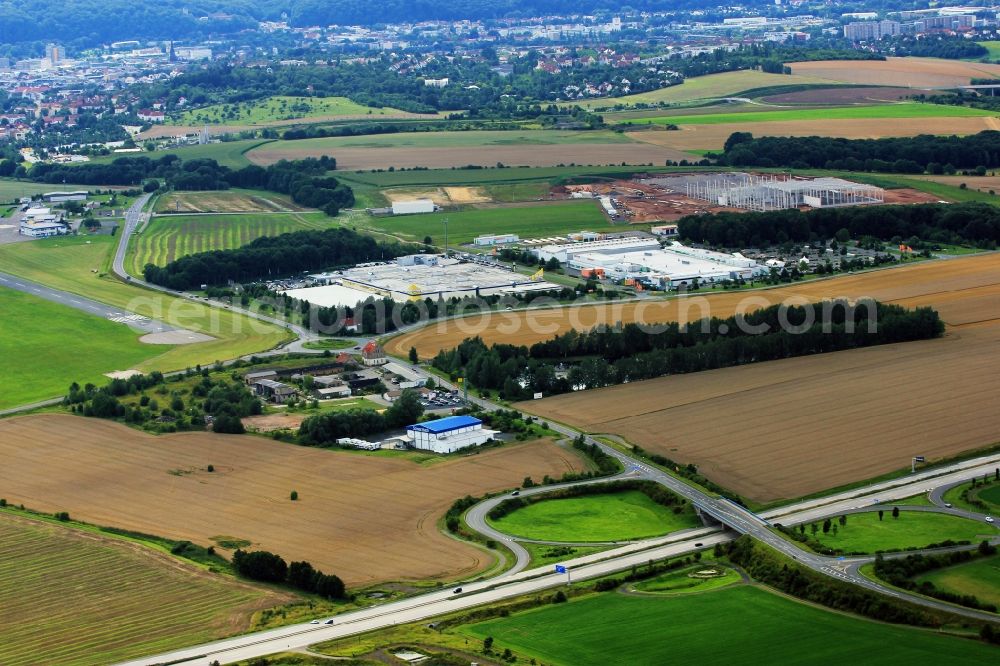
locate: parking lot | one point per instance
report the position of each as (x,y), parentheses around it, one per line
(437,400)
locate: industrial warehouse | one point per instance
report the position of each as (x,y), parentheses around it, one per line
(417,277)
(642,262)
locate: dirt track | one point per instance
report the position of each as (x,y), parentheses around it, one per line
(944,284)
(364,518)
(792,427)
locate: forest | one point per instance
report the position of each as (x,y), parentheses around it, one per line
(274,257)
(970,223)
(934,154)
(605,356)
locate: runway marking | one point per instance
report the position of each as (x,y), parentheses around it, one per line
(124,319)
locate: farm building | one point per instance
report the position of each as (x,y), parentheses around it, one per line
(274,391)
(330,392)
(449,434)
(412,207)
(253,377)
(764,193)
(372,354)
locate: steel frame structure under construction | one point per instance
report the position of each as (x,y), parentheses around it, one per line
(765,193)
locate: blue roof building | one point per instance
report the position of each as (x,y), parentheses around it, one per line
(449,434)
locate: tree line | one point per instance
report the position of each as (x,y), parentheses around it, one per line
(305,180)
(900,573)
(273,257)
(607,356)
(917,154)
(970,223)
(770,568)
(269,567)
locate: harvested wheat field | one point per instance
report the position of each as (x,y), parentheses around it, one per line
(908,72)
(442,196)
(444,157)
(713,137)
(963,290)
(75,597)
(365,518)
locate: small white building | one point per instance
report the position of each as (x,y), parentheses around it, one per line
(331,392)
(496,239)
(412,207)
(60,197)
(449,434)
(372,354)
(664,230)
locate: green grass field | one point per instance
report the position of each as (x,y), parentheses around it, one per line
(865,533)
(683,582)
(606,517)
(167,238)
(71,598)
(900,110)
(226,153)
(990,495)
(712,86)
(79,265)
(76,346)
(979,578)
(272,110)
(527,221)
(736,623)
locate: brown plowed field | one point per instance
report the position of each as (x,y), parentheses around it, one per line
(909,72)
(713,137)
(224,202)
(793,427)
(955,287)
(359,159)
(841,95)
(364,518)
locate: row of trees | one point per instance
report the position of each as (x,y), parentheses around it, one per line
(305,181)
(900,572)
(271,568)
(935,154)
(273,257)
(326,429)
(608,356)
(965,223)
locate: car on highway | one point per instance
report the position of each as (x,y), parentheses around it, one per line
(314,622)
(947,505)
(989,519)
(515,493)
(456,590)
(330,621)
(699,544)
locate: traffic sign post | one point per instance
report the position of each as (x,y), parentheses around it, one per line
(560,568)
(913,463)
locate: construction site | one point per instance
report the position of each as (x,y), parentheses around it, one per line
(664,198)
